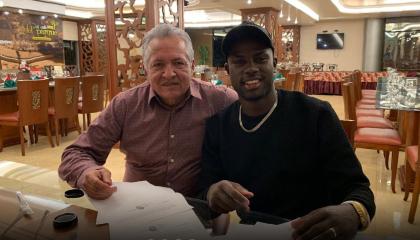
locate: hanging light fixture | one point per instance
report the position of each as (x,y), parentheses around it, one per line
(288,17)
(281,10)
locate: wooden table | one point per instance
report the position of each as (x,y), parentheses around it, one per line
(38,227)
(35,227)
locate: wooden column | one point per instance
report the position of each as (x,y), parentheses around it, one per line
(124,39)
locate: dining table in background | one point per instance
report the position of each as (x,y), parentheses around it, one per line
(401,94)
(8,103)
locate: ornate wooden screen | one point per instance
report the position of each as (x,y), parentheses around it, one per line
(92,47)
(127,22)
(289,44)
(267,18)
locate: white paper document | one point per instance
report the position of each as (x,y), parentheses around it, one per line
(140,210)
(138,199)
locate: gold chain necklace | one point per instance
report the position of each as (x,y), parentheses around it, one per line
(262,120)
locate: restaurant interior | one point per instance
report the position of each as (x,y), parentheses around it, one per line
(361,56)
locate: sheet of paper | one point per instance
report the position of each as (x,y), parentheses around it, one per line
(183,225)
(138,199)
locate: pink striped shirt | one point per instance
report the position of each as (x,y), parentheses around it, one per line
(162,145)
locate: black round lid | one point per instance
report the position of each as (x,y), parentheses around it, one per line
(73,193)
(65,220)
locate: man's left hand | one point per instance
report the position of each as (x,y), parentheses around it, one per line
(332,222)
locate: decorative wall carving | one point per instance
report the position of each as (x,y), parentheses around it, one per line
(266,18)
(128,41)
(127,70)
(101,46)
(86,48)
(258,18)
(290,44)
(93,55)
(168,11)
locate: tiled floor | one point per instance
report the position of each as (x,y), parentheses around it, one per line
(36,174)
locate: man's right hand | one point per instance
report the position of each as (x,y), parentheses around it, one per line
(98,184)
(226,196)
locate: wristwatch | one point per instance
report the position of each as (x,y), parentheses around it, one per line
(361,212)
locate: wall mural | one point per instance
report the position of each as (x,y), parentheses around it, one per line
(36,39)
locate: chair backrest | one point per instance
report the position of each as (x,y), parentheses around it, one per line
(66,95)
(97,74)
(408,126)
(298,86)
(93,93)
(348,99)
(290,81)
(357,80)
(349,127)
(33,101)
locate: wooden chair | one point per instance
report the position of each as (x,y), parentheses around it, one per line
(33,109)
(106,88)
(66,95)
(385,139)
(290,81)
(349,127)
(412,166)
(92,97)
(351,112)
(299,82)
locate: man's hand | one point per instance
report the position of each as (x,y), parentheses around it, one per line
(226,196)
(98,184)
(332,222)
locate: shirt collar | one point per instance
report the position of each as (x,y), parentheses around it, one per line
(193,91)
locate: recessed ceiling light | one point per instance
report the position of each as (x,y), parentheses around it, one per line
(249,1)
(6,13)
(55,15)
(20,11)
(42,17)
(281,11)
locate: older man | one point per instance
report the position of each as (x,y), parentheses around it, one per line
(281,152)
(160,124)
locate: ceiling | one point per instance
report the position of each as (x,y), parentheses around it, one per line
(204,13)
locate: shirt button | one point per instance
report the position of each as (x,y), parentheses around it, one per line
(171,160)
(168,184)
(172,136)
